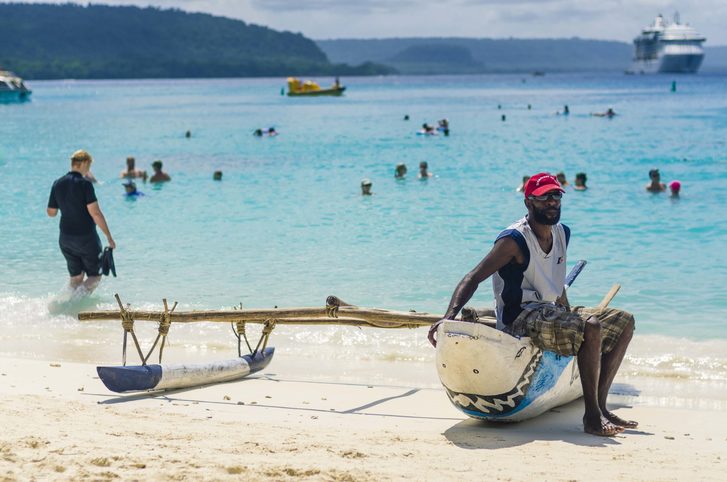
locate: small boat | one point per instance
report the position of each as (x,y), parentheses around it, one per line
(137,378)
(12,87)
(296,88)
(491,375)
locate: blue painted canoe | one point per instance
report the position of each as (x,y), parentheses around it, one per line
(166,377)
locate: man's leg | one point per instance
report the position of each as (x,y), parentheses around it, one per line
(91,283)
(76,281)
(589,365)
(610,363)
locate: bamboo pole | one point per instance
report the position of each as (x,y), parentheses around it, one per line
(336,312)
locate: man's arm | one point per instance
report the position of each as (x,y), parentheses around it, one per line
(95,211)
(504,251)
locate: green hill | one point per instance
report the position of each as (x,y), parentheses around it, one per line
(489,55)
(446,56)
(73,41)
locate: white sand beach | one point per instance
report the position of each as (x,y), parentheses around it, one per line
(60,423)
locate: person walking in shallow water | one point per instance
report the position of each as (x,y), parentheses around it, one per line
(527,264)
(75,197)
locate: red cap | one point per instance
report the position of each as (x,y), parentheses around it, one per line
(541,183)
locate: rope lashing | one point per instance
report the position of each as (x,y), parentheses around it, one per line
(240,333)
(127,323)
(332,304)
(165,321)
(268,328)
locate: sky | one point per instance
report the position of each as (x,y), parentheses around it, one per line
(327,19)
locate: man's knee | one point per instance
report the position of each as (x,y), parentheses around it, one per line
(592,331)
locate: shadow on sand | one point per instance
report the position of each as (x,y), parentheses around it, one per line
(560,424)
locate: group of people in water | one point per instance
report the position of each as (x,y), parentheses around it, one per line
(579,184)
(131,173)
(399,174)
(655,185)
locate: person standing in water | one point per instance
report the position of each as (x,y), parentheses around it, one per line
(131,171)
(655,185)
(159,175)
(75,197)
(580,183)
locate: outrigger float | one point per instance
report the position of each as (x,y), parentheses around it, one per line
(486,373)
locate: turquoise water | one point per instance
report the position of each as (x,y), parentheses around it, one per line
(287,226)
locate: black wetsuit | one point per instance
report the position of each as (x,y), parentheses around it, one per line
(78,240)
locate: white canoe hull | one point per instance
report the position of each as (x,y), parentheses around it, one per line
(491,375)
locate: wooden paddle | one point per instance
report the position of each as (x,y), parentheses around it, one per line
(607,299)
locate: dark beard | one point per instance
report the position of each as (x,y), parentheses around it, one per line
(541,217)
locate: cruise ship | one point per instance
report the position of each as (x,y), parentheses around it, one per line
(668,47)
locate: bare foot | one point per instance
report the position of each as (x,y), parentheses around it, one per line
(600,426)
(616,420)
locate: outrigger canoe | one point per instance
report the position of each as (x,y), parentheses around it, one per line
(486,373)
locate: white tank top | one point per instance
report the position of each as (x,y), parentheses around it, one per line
(540,280)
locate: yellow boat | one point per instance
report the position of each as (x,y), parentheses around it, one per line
(296,88)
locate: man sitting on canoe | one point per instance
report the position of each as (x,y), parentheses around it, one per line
(527,263)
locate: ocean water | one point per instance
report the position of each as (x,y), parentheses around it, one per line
(287,225)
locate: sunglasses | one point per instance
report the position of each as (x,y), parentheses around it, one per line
(557,196)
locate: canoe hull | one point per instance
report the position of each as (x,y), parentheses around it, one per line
(493,376)
(316,93)
(123,379)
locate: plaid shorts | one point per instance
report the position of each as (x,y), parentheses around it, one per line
(554,328)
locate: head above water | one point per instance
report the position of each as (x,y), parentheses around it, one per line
(130,187)
(654,174)
(400,170)
(217,176)
(157,165)
(675,186)
(130,162)
(581,177)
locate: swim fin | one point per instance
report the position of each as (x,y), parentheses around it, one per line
(107,262)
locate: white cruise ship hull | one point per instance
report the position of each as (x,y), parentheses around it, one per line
(669,63)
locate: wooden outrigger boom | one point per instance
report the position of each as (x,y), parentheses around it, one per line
(155,377)
(336,312)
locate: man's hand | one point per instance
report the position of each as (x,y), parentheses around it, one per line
(112,244)
(433,331)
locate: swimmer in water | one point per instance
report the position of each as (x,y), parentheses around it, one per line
(655,185)
(423,171)
(130,188)
(562,179)
(675,187)
(580,182)
(366,187)
(400,171)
